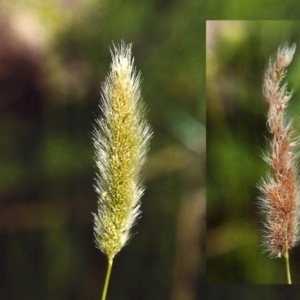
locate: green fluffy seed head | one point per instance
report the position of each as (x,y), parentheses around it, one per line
(120,139)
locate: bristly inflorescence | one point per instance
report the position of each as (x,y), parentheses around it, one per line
(121,138)
(280,190)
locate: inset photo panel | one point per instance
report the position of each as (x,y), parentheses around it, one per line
(253,132)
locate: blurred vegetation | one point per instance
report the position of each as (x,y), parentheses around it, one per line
(53,57)
(237,53)
(252,10)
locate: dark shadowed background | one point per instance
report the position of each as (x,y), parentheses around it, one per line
(250,292)
(237,53)
(53,57)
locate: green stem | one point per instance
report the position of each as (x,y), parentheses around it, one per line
(107,277)
(287,265)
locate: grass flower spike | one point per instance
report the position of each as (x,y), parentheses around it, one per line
(280,190)
(120,137)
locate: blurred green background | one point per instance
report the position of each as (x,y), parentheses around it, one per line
(252,10)
(53,57)
(236,56)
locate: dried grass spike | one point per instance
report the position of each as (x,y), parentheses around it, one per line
(280,189)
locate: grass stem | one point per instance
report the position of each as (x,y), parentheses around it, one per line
(287,265)
(107,277)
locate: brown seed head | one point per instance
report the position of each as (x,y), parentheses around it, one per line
(280,190)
